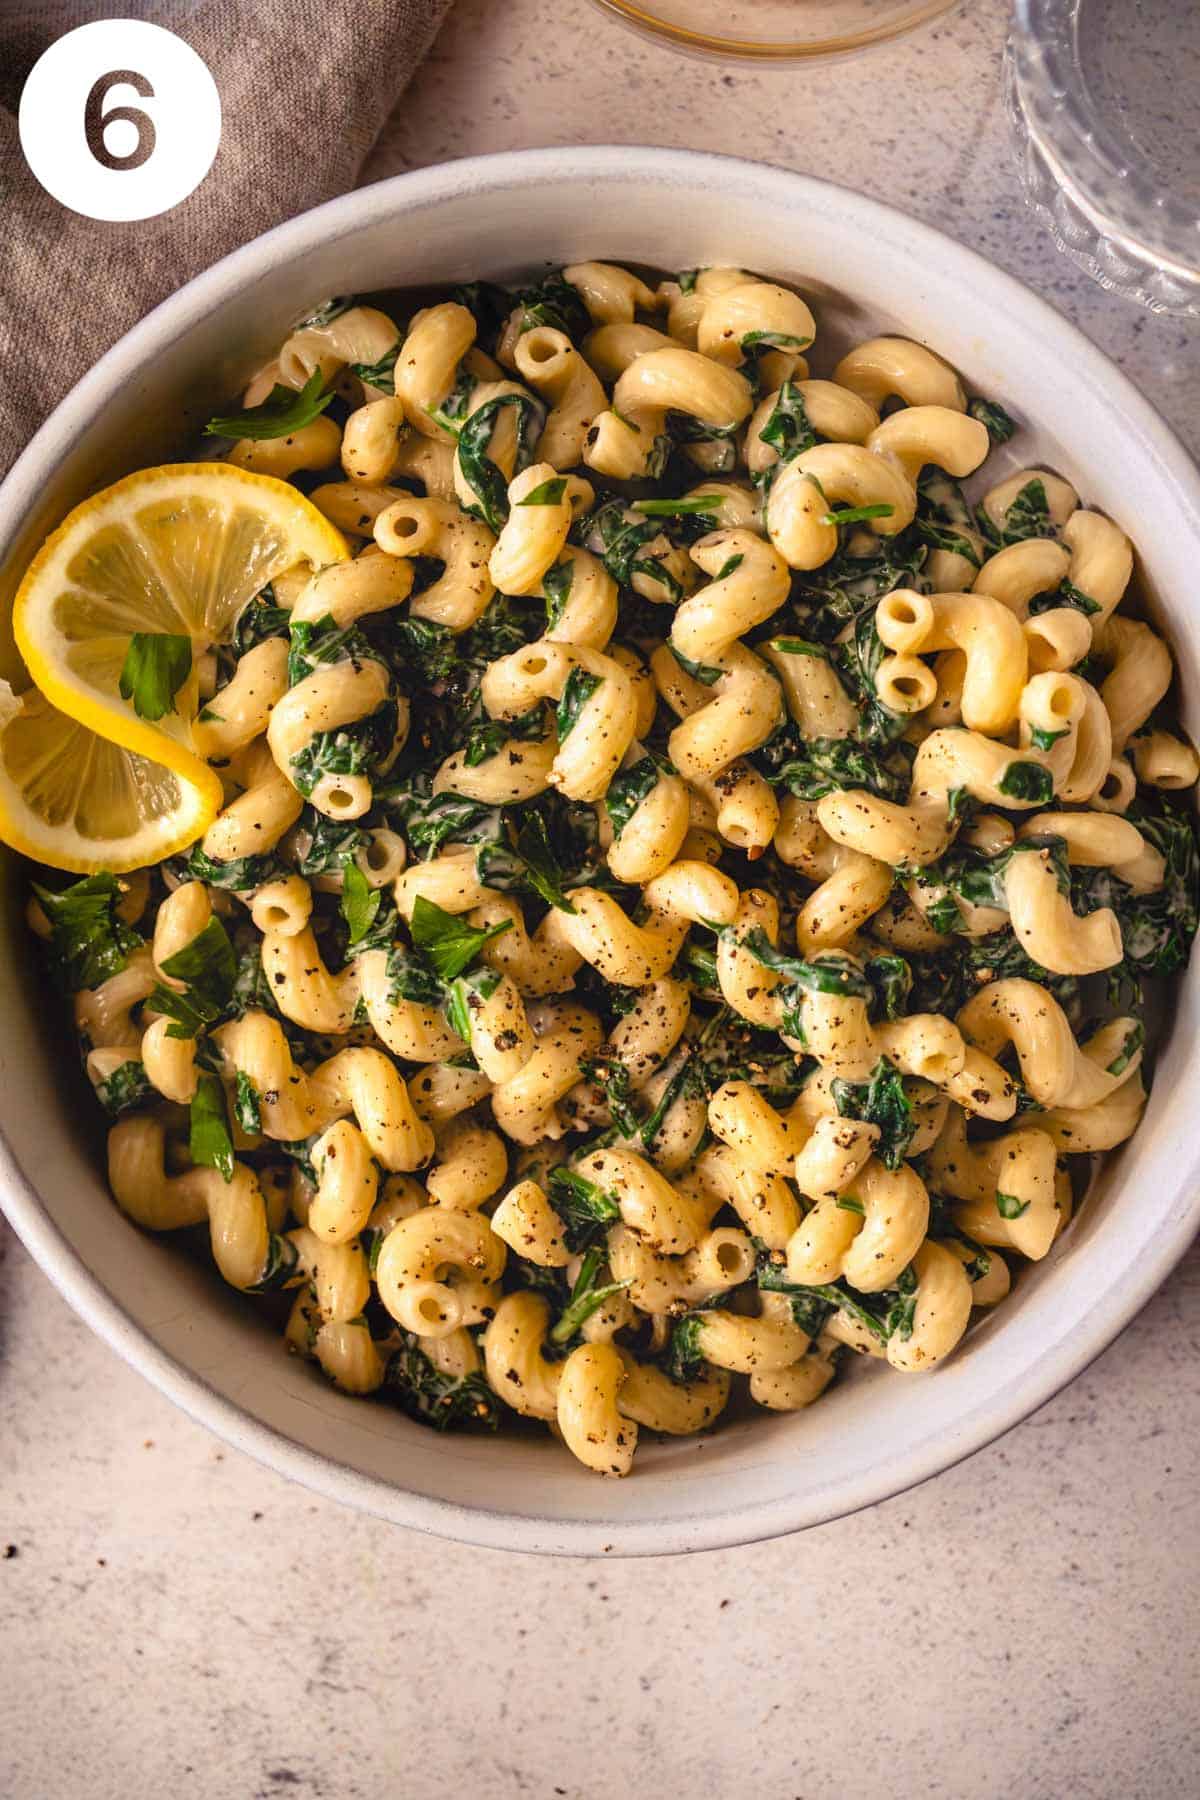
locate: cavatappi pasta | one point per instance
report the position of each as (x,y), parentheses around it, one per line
(685,886)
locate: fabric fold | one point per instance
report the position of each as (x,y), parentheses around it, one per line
(305,85)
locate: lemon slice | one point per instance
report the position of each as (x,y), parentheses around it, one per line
(76,801)
(176,550)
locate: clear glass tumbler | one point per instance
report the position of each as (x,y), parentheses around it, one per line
(1104,96)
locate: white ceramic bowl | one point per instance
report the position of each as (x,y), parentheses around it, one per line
(863,267)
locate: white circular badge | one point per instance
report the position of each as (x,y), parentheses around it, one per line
(120,120)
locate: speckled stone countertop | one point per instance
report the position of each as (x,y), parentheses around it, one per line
(177,1619)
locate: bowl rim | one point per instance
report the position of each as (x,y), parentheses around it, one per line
(647,20)
(1044,1374)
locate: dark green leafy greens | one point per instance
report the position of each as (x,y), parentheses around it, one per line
(585,1209)
(415,1384)
(88,940)
(882,1101)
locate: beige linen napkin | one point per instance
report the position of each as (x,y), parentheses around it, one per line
(305,87)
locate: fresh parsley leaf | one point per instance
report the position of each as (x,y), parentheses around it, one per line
(448,941)
(209,1143)
(359,902)
(157,663)
(283,411)
(208,967)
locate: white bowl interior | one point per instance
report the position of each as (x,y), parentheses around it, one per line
(864,269)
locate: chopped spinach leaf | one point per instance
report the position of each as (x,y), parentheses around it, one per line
(88,941)
(585,1209)
(484,478)
(246,1108)
(830,765)
(546,493)
(1000,424)
(1029,782)
(431,1397)
(577,691)
(1027,517)
(706,673)
(556,586)
(880,1100)
(238,875)
(789,430)
(258,620)
(127,1087)
(629,788)
(381,374)
(1065,594)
